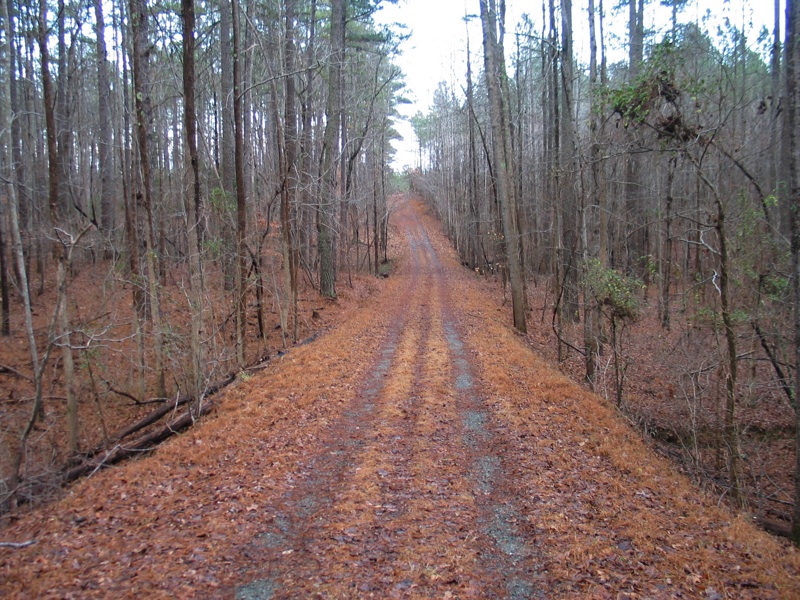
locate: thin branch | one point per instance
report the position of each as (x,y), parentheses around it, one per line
(13,371)
(277,77)
(784,381)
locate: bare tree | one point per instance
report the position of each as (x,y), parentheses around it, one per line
(497,84)
(140,27)
(193,201)
(330,154)
(793,108)
(241,195)
(287,149)
(104,127)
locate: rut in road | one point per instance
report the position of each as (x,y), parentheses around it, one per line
(419,449)
(402,500)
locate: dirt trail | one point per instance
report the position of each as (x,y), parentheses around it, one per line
(419,450)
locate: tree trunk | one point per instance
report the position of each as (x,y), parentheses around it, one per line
(666,261)
(570,220)
(192,201)
(504,159)
(241,196)
(140,27)
(5,296)
(731,432)
(56,204)
(227,147)
(330,154)
(16,239)
(633,201)
(603,199)
(63,118)
(473,224)
(635,37)
(131,218)
(7,164)
(793,118)
(730,429)
(591,341)
(305,216)
(104,154)
(290,185)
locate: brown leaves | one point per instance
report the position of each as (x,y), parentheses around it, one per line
(331,474)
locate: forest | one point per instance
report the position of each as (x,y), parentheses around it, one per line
(177,178)
(639,214)
(187,188)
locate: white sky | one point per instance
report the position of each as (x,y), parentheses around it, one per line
(436,50)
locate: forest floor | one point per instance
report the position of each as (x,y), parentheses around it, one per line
(419,449)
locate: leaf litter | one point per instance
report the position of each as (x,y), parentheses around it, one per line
(419,449)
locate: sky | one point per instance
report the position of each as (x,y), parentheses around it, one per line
(436,50)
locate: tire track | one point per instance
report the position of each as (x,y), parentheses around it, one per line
(409,498)
(514,558)
(302,506)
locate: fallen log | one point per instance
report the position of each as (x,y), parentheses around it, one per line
(13,371)
(144,443)
(152,417)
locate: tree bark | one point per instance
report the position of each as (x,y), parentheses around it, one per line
(193,201)
(330,155)
(590,327)
(306,214)
(227,146)
(16,238)
(290,176)
(104,154)
(140,27)
(241,196)
(504,159)
(56,205)
(571,218)
(731,429)
(793,109)
(474,224)
(635,37)
(5,296)
(63,117)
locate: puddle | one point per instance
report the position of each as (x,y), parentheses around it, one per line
(474,420)
(521,590)
(263,589)
(501,529)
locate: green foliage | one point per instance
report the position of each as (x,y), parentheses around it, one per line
(777,287)
(424,127)
(222,201)
(635,101)
(90,356)
(616,293)
(398,182)
(631,102)
(711,318)
(705,316)
(213,245)
(385,268)
(650,266)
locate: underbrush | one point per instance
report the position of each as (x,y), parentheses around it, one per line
(115,382)
(674,392)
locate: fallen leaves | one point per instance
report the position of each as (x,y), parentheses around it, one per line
(352,469)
